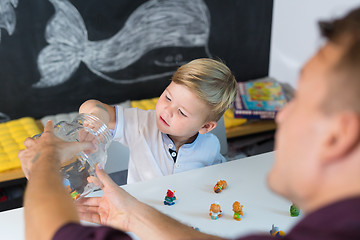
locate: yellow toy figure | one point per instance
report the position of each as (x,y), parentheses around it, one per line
(220,185)
(237,208)
(215,211)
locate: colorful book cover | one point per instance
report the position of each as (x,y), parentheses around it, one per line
(259,100)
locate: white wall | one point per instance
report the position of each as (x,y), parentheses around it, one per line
(295,35)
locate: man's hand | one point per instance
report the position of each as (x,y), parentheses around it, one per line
(60,150)
(112,209)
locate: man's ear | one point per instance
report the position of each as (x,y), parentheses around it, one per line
(207,127)
(342,137)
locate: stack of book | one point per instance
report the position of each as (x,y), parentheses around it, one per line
(259,100)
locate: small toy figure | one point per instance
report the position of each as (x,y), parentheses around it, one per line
(294,210)
(215,211)
(170,198)
(237,208)
(66,183)
(220,185)
(75,195)
(196,228)
(276,233)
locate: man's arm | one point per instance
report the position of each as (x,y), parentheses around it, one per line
(106,113)
(120,210)
(47,205)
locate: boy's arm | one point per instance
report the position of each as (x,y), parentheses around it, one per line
(106,113)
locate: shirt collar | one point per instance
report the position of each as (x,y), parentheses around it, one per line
(170,144)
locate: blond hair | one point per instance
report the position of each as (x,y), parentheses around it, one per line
(211,81)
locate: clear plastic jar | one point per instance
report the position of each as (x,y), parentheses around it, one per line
(76,171)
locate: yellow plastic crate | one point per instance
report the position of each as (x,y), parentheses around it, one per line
(145,104)
(12,137)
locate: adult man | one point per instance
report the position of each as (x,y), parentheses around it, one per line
(317,161)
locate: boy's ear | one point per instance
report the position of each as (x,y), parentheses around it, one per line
(342,137)
(207,127)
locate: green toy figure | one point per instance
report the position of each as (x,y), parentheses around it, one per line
(294,210)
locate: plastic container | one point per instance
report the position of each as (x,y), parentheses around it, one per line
(76,171)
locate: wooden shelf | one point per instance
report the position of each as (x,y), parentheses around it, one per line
(11,175)
(251,127)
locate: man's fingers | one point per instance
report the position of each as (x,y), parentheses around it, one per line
(24,164)
(86,208)
(25,171)
(49,127)
(21,153)
(95,181)
(75,147)
(90,217)
(88,201)
(104,177)
(29,142)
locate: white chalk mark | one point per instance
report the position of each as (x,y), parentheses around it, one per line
(4,117)
(8,16)
(139,79)
(154,24)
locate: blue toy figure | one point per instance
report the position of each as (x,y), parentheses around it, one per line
(170,198)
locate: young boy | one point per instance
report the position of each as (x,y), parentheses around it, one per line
(175,137)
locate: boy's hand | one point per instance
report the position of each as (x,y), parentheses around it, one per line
(104,112)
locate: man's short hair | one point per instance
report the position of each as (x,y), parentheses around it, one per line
(344,86)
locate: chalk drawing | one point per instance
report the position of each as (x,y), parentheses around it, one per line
(4,117)
(8,16)
(154,24)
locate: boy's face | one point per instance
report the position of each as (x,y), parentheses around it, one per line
(180,113)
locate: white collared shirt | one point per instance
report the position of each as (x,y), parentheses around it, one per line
(149,148)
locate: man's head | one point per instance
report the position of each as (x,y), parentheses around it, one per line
(317,142)
(196,98)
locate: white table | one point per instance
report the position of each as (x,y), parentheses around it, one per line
(246,180)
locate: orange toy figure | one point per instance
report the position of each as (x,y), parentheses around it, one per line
(237,208)
(220,185)
(276,233)
(215,211)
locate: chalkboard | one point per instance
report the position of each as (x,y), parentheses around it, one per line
(55,54)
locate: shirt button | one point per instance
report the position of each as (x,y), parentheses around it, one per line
(170,146)
(177,165)
(173,154)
